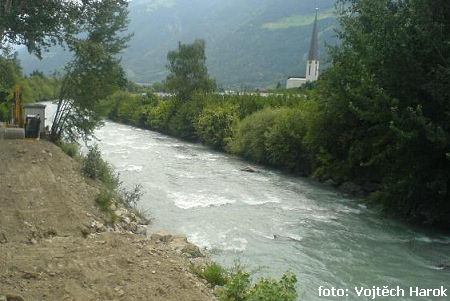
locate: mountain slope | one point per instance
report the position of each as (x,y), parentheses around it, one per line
(251,43)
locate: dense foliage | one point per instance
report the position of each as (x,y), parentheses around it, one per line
(39,24)
(384,106)
(35,87)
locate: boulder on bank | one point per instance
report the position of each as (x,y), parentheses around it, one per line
(249,169)
(352,188)
(177,243)
(161,237)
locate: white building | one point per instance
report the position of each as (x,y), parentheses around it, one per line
(35,109)
(312,66)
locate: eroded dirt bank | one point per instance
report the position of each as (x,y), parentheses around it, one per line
(50,245)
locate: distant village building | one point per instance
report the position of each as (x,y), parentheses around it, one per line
(312,67)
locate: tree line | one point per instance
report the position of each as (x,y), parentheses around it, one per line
(35,87)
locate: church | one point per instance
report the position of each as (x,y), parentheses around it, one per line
(312,67)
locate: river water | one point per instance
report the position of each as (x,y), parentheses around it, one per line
(272,222)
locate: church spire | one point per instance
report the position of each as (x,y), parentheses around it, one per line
(314,47)
(312,67)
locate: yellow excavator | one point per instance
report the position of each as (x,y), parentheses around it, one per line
(17,109)
(15,128)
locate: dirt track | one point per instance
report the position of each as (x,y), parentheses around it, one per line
(45,208)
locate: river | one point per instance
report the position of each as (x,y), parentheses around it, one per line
(272,222)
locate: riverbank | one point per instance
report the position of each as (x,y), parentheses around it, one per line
(295,134)
(56,243)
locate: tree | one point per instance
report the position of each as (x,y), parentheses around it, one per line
(188,71)
(10,72)
(93,74)
(38,24)
(384,109)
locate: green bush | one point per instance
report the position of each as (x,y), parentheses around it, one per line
(284,141)
(214,273)
(182,123)
(239,287)
(249,139)
(273,290)
(159,114)
(104,199)
(215,125)
(236,288)
(96,168)
(4,112)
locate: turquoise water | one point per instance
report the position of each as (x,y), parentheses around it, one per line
(272,222)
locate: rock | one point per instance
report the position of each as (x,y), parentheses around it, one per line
(330,182)
(153,272)
(14,298)
(29,275)
(132,227)
(126,219)
(249,169)
(162,236)
(98,227)
(85,231)
(141,230)
(3,238)
(351,188)
(192,250)
(120,212)
(370,187)
(113,207)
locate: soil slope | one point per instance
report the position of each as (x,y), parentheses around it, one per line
(46,208)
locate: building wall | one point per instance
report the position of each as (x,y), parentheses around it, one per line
(312,71)
(295,83)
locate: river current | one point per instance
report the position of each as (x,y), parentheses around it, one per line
(271,222)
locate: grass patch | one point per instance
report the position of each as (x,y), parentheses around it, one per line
(71,149)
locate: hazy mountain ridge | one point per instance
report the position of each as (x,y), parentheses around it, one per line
(252,43)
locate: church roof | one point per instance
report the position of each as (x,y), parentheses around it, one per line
(314,48)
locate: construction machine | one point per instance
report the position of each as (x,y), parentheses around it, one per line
(17,109)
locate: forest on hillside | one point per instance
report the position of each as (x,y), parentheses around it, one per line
(251,43)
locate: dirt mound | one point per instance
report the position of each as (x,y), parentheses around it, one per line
(45,208)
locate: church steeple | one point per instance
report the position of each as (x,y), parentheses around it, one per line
(312,67)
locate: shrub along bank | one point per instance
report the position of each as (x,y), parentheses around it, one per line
(268,130)
(294,132)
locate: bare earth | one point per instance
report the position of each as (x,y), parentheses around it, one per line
(46,252)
